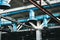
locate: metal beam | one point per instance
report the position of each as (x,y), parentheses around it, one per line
(37,17)
(18,11)
(40,17)
(29,6)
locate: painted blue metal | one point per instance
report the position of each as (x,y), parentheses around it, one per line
(27,10)
(40,17)
(31,15)
(15,13)
(4,4)
(48,17)
(14,27)
(45,21)
(53,6)
(7,22)
(37,17)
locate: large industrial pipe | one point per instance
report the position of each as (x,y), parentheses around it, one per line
(44,10)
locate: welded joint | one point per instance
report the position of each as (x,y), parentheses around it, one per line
(45,21)
(39,26)
(14,27)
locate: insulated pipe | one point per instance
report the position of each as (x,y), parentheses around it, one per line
(44,10)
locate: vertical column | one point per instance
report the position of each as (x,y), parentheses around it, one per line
(31,14)
(14,27)
(45,22)
(38,30)
(38,35)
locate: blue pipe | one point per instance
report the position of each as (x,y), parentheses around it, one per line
(40,17)
(35,8)
(45,17)
(37,17)
(45,21)
(7,22)
(32,15)
(14,27)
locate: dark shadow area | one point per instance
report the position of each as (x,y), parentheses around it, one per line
(47,34)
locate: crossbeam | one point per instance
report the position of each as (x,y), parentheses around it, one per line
(37,17)
(27,7)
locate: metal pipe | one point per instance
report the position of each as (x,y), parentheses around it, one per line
(9,19)
(25,7)
(14,27)
(37,17)
(38,35)
(44,10)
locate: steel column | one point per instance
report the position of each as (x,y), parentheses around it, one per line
(38,35)
(38,30)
